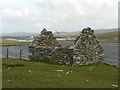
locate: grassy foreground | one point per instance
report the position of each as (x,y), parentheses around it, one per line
(27,74)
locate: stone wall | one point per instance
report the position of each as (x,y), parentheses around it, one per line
(58,55)
(46,47)
(87,49)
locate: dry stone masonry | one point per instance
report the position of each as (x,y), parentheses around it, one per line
(86,50)
(46,47)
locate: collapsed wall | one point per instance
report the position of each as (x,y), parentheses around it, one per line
(87,49)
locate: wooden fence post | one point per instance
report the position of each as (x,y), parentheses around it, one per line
(7,52)
(20,53)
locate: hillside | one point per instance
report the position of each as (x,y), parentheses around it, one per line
(108,37)
(56,34)
(103,38)
(97,31)
(5,42)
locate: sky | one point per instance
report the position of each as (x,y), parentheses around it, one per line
(57,15)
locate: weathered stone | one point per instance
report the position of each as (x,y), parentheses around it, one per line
(86,50)
(46,47)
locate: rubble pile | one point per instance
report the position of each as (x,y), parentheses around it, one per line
(87,49)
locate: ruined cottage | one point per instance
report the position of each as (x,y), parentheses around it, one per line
(86,49)
(46,47)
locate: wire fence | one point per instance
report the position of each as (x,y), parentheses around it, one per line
(22,52)
(18,53)
(8,53)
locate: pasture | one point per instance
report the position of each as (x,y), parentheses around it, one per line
(28,74)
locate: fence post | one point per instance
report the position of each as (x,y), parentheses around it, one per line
(20,53)
(7,52)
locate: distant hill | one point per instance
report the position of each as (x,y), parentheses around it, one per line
(105,37)
(109,37)
(97,31)
(20,34)
(57,34)
(66,34)
(101,31)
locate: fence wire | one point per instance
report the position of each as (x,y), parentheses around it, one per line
(18,53)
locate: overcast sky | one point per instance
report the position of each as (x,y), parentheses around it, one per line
(57,15)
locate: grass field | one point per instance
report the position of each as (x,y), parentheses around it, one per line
(5,42)
(28,74)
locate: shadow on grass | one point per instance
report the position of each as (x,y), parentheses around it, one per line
(13,65)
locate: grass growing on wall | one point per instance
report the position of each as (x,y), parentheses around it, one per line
(27,74)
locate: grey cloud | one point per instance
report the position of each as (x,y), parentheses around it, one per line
(62,14)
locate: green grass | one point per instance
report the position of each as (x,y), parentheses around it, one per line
(28,74)
(5,42)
